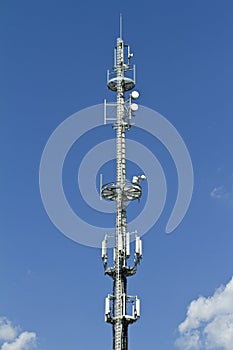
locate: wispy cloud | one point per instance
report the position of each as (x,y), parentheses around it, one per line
(224,190)
(12,339)
(218,192)
(209,322)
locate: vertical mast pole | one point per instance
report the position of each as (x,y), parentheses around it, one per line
(116,311)
(119,329)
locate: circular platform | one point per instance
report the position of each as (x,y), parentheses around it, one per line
(131,191)
(127,83)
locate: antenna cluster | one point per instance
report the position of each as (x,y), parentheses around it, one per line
(121,309)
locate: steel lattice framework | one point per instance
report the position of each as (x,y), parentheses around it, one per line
(120,308)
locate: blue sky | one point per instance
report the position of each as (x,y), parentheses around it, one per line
(54,57)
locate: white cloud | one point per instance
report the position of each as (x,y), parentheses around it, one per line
(189,341)
(25,341)
(10,338)
(220,332)
(7,331)
(209,322)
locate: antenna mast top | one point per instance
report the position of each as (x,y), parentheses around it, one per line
(120,26)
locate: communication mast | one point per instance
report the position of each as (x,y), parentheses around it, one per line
(122,309)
